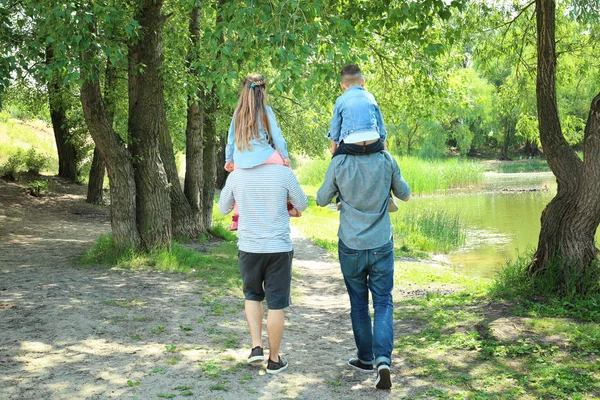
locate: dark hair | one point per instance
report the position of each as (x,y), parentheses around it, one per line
(351,75)
(350,69)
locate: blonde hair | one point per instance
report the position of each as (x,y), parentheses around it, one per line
(250,108)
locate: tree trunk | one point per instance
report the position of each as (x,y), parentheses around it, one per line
(146,123)
(96,177)
(194,169)
(221,177)
(67,154)
(118,163)
(570,220)
(210,161)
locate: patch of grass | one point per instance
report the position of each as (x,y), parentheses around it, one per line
(415,232)
(218,267)
(212,369)
(529,165)
(20,136)
(124,303)
(173,360)
(457,356)
(423,176)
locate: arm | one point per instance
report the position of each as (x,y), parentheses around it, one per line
(226,200)
(380,124)
(335,126)
(229,147)
(278,139)
(329,187)
(399,186)
(296,194)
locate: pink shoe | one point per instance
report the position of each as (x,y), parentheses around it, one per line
(234,223)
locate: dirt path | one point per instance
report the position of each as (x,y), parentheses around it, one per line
(75,333)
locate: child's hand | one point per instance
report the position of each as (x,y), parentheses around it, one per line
(229,166)
(287,162)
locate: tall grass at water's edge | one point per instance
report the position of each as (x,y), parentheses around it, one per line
(423,176)
(415,231)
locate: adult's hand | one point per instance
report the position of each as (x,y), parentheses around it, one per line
(287,162)
(229,166)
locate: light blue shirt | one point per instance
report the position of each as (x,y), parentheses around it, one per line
(261,194)
(260,151)
(363,183)
(355,111)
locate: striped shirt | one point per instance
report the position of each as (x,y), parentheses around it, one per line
(261,195)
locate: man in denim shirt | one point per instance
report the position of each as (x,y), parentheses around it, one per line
(366,251)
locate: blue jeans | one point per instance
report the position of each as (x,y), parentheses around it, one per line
(372,270)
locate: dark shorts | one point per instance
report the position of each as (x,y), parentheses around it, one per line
(267,275)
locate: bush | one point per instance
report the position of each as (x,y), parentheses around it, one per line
(12,166)
(35,162)
(4,116)
(37,188)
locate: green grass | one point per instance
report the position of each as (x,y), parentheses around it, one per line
(416,232)
(457,355)
(529,165)
(15,135)
(423,176)
(218,267)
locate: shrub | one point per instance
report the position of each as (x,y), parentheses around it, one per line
(37,188)
(35,162)
(4,116)
(12,166)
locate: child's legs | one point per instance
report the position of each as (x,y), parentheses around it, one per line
(275,159)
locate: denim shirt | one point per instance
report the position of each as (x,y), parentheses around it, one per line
(355,111)
(259,151)
(363,183)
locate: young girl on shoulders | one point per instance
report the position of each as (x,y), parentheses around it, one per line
(254,137)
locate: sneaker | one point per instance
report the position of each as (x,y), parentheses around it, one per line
(256,355)
(274,368)
(392,205)
(359,366)
(384,380)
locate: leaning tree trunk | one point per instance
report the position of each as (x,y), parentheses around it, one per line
(570,220)
(194,168)
(67,154)
(118,164)
(146,122)
(96,177)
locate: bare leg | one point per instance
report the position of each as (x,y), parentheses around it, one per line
(254,315)
(275,322)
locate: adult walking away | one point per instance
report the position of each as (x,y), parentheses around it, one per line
(265,249)
(366,251)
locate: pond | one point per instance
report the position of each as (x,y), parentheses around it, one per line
(502,218)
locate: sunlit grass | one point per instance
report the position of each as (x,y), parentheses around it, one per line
(15,135)
(416,231)
(423,176)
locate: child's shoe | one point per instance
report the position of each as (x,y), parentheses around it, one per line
(234,223)
(292,211)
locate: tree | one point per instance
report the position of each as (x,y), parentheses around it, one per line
(566,244)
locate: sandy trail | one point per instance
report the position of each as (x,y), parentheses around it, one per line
(78,333)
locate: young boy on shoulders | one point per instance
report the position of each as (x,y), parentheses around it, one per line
(357,124)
